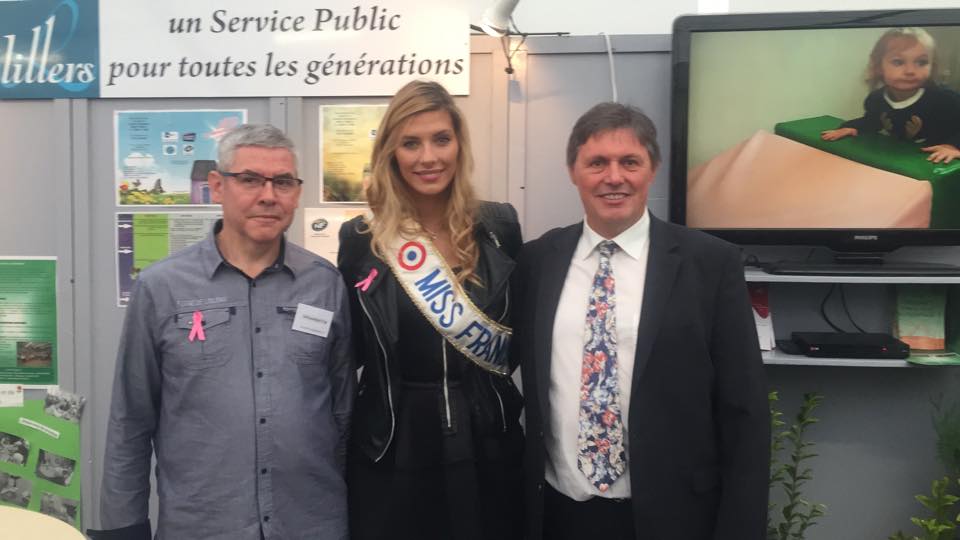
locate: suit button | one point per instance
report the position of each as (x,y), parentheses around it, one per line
(540,435)
(540,486)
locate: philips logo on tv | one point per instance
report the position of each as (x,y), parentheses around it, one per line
(866,237)
(44,55)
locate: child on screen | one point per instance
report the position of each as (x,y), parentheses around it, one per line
(905,103)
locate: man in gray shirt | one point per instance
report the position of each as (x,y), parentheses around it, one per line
(234,368)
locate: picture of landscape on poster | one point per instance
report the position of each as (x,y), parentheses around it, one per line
(347,133)
(28,320)
(145,238)
(163,157)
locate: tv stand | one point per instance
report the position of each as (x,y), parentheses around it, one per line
(796,303)
(857,257)
(856,266)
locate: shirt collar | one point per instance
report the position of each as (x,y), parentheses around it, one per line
(905,103)
(631,241)
(213,259)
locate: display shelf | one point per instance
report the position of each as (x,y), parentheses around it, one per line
(757,275)
(780,358)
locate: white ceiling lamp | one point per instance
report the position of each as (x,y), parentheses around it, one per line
(496,18)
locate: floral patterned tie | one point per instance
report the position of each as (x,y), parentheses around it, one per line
(601,455)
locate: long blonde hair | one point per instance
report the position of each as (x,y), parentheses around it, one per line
(388,194)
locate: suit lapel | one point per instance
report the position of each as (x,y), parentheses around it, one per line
(663,261)
(553,273)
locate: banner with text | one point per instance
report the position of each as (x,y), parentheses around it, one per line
(49,49)
(206,48)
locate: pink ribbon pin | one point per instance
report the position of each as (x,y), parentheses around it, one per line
(364,283)
(196,332)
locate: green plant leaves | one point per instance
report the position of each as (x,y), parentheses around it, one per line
(797,514)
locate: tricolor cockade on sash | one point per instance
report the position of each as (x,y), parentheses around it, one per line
(435,291)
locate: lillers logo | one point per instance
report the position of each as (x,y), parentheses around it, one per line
(40,65)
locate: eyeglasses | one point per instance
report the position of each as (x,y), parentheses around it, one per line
(254,182)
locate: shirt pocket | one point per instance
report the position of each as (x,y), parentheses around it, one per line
(301,347)
(219,339)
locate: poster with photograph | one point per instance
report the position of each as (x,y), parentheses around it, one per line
(162,157)
(55,468)
(28,320)
(40,466)
(13,449)
(63,404)
(321,227)
(62,508)
(145,238)
(347,133)
(15,490)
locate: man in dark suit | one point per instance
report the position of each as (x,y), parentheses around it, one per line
(647,416)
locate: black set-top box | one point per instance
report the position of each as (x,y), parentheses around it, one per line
(838,345)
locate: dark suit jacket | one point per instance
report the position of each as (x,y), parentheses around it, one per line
(699,431)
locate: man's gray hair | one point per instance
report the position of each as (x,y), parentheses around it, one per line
(262,135)
(609,117)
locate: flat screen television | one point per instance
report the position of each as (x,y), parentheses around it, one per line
(753,95)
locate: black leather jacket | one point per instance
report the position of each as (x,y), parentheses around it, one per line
(374,324)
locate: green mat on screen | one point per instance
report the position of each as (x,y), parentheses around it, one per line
(888,154)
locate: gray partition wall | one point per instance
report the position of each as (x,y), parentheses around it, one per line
(559,79)
(875,441)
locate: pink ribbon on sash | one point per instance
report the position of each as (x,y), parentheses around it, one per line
(196,332)
(364,283)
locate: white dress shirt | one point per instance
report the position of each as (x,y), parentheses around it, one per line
(629,266)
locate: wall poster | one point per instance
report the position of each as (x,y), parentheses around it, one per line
(162,157)
(346,140)
(40,456)
(145,238)
(28,320)
(321,228)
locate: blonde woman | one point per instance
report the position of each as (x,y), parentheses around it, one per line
(436,444)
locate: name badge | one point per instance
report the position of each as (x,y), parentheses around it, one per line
(312,320)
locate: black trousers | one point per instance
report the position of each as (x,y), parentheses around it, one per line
(567,519)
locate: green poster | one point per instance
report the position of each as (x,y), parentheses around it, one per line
(145,238)
(28,320)
(151,236)
(40,462)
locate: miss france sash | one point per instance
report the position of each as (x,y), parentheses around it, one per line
(431,285)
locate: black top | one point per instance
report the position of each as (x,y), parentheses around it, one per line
(932,119)
(420,357)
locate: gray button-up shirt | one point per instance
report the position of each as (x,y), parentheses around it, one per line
(249,425)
